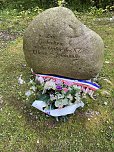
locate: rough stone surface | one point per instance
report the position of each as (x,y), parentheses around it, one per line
(56,42)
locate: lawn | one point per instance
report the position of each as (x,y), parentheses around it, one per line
(24,128)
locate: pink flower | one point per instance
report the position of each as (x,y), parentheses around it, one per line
(65,90)
(39,79)
(68,83)
(59,82)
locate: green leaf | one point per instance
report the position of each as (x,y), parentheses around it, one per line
(39,87)
(65,102)
(58,103)
(72,92)
(44,97)
(61,102)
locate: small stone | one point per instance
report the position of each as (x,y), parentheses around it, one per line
(28,93)
(23,65)
(1,100)
(19,117)
(110,127)
(38,141)
(108,81)
(105,103)
(20,80)
(112,19)
(31,113)
(105,93)
(98,144)
(107,62)
(97,113)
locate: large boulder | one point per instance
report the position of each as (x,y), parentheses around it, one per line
(56,42)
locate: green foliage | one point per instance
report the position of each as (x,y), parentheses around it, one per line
(44,97)
(79,5)
(96,12)
(61,102)
(28,4)
(16,21)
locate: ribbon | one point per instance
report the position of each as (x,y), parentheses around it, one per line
(85,85)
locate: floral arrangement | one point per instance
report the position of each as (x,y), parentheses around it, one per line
(58,96)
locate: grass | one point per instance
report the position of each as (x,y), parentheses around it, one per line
(25,129)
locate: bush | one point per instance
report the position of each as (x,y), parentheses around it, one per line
(96,12)
(27,4)
(78,5)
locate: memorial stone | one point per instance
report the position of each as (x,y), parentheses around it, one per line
(56,42)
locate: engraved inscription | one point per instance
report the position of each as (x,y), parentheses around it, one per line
(48,45)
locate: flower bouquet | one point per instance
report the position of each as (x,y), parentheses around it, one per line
(58,96)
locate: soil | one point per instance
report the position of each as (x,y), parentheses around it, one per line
(6,37)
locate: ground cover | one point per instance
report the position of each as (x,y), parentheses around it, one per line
(25,129)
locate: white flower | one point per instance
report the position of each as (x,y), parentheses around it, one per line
(50,85)
(31,81)
(78,88)
(32,70)
(28,93)
(52,97)
(70,97)
(77,97)
(39,79)
(33,88)
(60,96)
(20,80)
